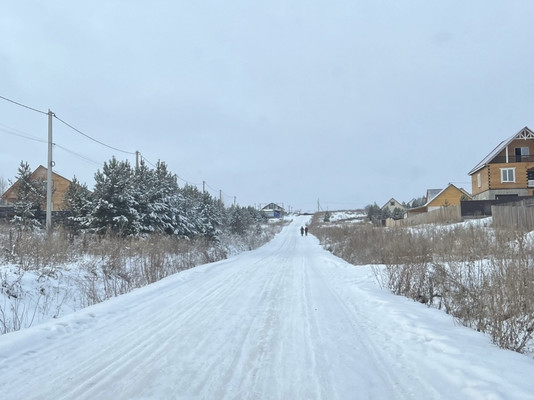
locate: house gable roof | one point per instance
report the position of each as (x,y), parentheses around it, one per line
(524,133)
(272,206)
(397,203)
(431,193)
(438,195)
(40,173)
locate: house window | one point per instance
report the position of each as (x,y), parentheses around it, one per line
(391,203)
(507,174)
(479,180)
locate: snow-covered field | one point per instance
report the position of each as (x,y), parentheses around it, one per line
(348,216)
(286,321)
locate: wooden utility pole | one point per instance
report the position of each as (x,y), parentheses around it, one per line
(49,176)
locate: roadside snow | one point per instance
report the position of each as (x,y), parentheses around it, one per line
(286,321)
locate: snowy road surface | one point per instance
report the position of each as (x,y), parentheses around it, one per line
(287,321)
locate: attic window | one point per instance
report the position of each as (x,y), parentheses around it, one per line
(479,180)
(391,203)
(507,175)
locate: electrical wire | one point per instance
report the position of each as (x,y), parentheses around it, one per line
(189,183)
(93,139)
(19,133)
(78,155)
(146,159)
(29,137)
(23,105)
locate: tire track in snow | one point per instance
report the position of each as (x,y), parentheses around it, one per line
(357,330)
(115,358)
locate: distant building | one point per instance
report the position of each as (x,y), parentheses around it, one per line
(391,205)
(437,198)
(59,183)
(273,210)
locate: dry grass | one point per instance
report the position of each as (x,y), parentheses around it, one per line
(105,266)
(482,277)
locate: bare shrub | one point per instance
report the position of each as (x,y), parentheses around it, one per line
(101,266)
(482,277)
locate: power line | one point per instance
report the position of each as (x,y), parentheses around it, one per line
(19,133)
(27,136)
(189,183)
(78,155)
(211,188)
(93,139)
(146,159)
(23,105)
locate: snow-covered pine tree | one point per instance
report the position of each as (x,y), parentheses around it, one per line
(31,195)
(167,197)
(144,182)
(241,219)
(114,203)
(210,216)
(77,201)
(157,194)
(188,222)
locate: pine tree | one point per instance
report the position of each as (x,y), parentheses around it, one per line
(188,217)
(157,195)
(77,202)
(144,188)
(241,220)
(210,216)
(31,195)
(114,201)
(385,213)
(398,213)
(373,212)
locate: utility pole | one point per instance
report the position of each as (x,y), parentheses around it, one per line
(203,186)
(235,199)
(49,177)
(136,160)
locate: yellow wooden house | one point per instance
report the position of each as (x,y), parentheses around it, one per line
(437,198)
(59,184)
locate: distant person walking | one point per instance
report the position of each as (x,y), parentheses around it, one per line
(306,230)
(301,231)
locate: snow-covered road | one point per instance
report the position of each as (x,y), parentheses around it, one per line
(286,321)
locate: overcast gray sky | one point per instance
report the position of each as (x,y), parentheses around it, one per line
(345,102)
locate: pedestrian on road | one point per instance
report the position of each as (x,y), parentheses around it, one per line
(301,231)
(306,230)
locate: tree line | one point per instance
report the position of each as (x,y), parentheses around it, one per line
(130,201)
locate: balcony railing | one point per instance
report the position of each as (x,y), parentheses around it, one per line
(512,159)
